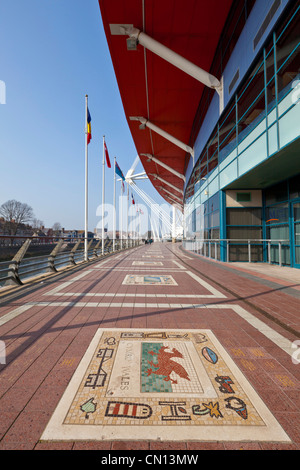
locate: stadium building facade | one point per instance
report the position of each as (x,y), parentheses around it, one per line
(237,175)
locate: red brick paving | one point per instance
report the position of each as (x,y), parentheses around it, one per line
(44,346)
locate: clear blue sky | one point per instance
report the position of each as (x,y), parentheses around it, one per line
(52,53)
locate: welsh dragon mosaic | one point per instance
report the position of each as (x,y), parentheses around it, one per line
(140,378)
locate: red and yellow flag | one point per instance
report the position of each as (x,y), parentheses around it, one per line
(89,128)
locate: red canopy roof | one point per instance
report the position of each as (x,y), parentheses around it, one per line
(153,88)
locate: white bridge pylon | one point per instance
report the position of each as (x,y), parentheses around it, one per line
(169,223)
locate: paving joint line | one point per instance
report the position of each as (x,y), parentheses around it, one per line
(241,299)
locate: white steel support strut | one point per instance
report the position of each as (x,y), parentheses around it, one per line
(167,182)
(157,211)
(171,56)
(145,123)
(139,37)
(174,202)
(131,178)
(160,213)
(175,198)
(174,223)
(167,167)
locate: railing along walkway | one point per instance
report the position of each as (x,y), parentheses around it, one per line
(272,250)
(63,255)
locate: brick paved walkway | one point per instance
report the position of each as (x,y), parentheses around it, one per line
(47,328)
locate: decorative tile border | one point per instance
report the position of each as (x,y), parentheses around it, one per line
(172,385)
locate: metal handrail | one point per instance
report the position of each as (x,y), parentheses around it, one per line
(16,270)
(236,241)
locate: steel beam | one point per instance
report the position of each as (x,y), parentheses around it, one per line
(167,182)
(167,167)
(145,123)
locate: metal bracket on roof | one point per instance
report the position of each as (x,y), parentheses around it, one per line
(170,56)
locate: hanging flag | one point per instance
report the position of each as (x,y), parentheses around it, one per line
(123,187)
(107,156)
(119,172)
(132,200)
(89,128)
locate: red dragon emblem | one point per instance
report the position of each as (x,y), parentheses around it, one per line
(166,365)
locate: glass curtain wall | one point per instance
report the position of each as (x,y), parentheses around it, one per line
(235,24)
(282,208)
(276,71)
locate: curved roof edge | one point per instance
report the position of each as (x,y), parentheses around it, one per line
(161,54)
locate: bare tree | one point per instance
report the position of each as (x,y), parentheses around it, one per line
(37,224)
(15,213)
(56,229)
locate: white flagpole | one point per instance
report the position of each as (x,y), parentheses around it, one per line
(86,183)
(121,220)
(103,194)
(127,244)
(114,214)
(135,221)
(139,224)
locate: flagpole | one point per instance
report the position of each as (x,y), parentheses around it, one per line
(135,224)
(86,183)
(127,244)
(114,214)
(103,194)
(121,210)
(140,226)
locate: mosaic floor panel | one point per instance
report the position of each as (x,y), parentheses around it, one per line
(148,280)
(160,384)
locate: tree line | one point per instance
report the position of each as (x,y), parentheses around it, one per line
(15,215)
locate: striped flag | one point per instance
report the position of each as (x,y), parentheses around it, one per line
(89,127)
